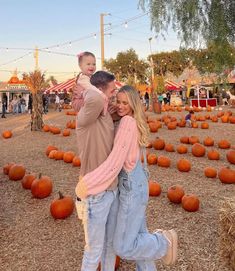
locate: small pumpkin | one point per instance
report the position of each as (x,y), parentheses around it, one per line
(68,156)
(46,128)
(63,207)
(58,155)
(198,150)
(154,189)
(210,172)
(205,125)
(7,134)
(28,180)
(175,193)
(224,144)
(169,147)
(184,139)
(227,175)
(163,161)
(50,148)
(41,187)
(193,140)
(184,165)
(66,132)
(190,203)
(182,149)
(76,161)
(52,154)
(153,127)
(230,155)
(16,172)
(7,167)
(208,141)
(213,155)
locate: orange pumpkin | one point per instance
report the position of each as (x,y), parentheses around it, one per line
(7,134)
(66,132)
(28,180)
(193,140)
(153,127)
(198,150)
(208,141)
(152,159)
(76,161)
(68,156)
(41,187)
(190,203)
(46,128)
(50,148)
(181,149)
(154,189)
(16,172)
(204,125)
(163,161)
(7,167)
(184,139)
(184,165)
(62,207)
(227,175)
(210,172)
(224,144)
(58,155)
(169,147)
(175,193)
(230,155)
(213,155)
(158,144)
(52,154)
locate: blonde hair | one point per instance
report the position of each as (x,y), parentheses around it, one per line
(138,113)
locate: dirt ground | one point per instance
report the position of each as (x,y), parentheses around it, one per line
(31,240)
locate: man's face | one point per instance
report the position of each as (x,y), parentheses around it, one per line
(110,89)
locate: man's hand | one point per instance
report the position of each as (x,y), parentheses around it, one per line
(81,189)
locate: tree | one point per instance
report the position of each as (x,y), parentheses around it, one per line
(35,81)
(197,22)
(127,67)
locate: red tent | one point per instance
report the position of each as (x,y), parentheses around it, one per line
(170,86)
(68,85)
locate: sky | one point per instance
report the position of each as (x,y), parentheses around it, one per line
(70,26)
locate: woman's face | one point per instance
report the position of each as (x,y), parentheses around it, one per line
(123,106)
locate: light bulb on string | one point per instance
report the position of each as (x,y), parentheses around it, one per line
(95,36)
(70,44)
(126,25)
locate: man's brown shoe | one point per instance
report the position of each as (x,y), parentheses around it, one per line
(171,253)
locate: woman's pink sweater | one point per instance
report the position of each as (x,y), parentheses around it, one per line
(125,154)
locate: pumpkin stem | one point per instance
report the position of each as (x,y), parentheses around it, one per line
(61,195)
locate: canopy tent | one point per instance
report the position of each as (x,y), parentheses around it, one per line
(68,85)
(172,86)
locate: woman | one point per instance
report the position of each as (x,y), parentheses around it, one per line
(131,240)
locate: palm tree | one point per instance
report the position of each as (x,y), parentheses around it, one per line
(35,81)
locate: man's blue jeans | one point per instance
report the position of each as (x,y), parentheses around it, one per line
(99,217)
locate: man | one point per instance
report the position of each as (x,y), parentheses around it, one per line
(95,133)
(4,106)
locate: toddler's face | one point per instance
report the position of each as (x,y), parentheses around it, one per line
(88,65)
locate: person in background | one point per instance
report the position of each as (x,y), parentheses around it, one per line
(160,98)
(131,240)
(146,97)
(30,103)
(4,106)
(57,102)
(188,118)
(164,97)
(22,104)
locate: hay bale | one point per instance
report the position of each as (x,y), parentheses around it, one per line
(227,232)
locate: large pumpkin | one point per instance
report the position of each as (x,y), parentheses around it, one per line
(227,175)
(28,180)
(198,150)
(230,155)
(41,187)
(183,165)
(190,203)
(158,144)
(62,207)
(175,193)
(154,189)
(16,172)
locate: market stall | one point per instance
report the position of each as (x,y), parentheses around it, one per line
(202,98)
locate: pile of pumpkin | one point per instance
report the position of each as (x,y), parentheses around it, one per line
(68,157)
(40,187)
(225,174)
(176,194)
(56,130)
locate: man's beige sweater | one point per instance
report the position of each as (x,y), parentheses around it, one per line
(95,134)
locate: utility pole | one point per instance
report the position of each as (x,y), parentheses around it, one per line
(102,37)
(36,58)
(151,64)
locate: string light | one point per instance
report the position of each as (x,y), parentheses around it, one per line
(126,24)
